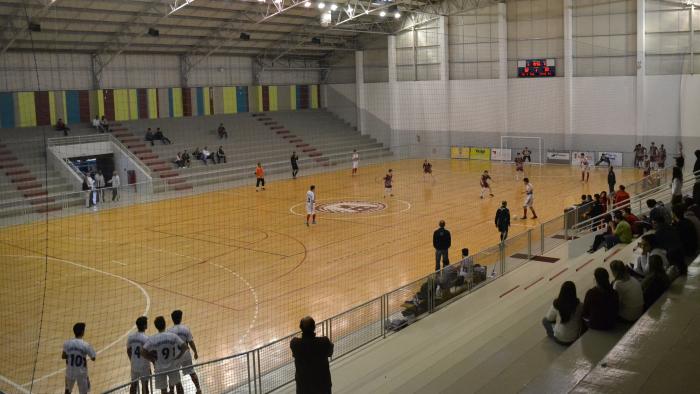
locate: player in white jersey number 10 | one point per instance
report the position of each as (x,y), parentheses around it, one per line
(76,352)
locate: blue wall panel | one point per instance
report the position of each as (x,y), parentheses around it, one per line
(7,110)
(72,106)
(242,98)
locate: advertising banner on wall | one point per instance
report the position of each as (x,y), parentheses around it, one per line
(480,153)
(558,157)
(459,152)
(576,158)
(501,154)
(615,159)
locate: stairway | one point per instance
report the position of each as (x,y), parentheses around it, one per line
(152,160)
(282,132)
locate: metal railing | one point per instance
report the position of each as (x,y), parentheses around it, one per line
(271,366)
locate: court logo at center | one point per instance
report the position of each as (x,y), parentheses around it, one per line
(350,207)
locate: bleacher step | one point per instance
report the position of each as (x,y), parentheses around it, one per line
(28,186)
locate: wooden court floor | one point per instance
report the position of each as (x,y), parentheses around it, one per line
(241,264)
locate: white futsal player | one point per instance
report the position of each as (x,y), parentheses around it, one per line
(485,186)
(585,167)
(163,350)
(185,362)
(140,366)
(76,353)
(311,205)
(529,199)
(355,161)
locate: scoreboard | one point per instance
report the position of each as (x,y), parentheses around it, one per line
(532,68)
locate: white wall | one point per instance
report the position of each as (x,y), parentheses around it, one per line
(477,106)
(154,71)
(57,71)
(340,99)
(378,112)
(536,106)
(221,71)
(604,105)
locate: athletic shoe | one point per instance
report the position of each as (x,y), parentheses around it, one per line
(314,222)
(534,217)
(307,224)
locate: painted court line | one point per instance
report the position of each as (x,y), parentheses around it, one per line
(533,283)
(508,292)
(558,273)
(119,262)
(118,340)
(13,384)
(584,264)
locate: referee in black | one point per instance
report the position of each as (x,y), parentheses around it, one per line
(503,220)
(295,166)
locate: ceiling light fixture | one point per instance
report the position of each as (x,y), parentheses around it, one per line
(307,4)
(397,15)
(382,14)
(334,7)
(321,5)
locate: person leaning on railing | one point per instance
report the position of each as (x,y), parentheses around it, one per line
(311,353)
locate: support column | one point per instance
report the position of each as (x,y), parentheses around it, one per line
(568,75)
(360,98)
(444,58)
(395,140)
(503,62)
(443,49)
(640,130)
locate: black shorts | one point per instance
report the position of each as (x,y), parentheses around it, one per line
(260,181)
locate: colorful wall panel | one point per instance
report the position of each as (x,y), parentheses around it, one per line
(283,100)
(293,97)
(188,101)
(230,100)
(72,107)
(314,96)
(242,98)
(43,108)
(7,110)
(153,107)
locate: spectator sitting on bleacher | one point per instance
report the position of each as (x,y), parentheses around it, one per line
(656,209)
(690,216)
(686,229)
(186,160)
(159,136)
(61,126)
(149,136)
(668,238)
(656,282)
(649,247)
(621,233)
(178,160)
(633,220)
(601,305)
(97,125)
(629,291)
(206,155)
(563,320)
(621,196)
(104,123)
(221,155)
(596,209)
(197,154)
(222,131)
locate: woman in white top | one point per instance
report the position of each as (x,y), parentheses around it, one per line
(563,320)
(629,292)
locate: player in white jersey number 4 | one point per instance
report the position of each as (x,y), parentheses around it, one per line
(185,334)
(140,366)
(76,352)
(164,350)
(311,205)
(529,199)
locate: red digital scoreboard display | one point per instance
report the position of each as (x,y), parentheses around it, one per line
(533,68)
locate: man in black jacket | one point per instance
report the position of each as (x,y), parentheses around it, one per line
(313,374)
(441,242)
(503,220)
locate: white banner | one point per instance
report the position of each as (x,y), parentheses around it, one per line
(576,158)
(615,159)
(501,154)
(558,157)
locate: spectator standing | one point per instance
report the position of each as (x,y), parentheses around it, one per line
(311,353)
(690,216)
(662,156)
(563,320)
(638,155)
(116,183)
(221,131)
(442,241)
(61,126)
(629,291)
(601,304)
(696,166)
(221,155)
(686,229)
(295,164)
(503,220)
(656,282)
(76,353)
(611,180)
(100,184)
(677,182)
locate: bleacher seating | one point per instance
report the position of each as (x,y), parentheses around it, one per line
(319,138)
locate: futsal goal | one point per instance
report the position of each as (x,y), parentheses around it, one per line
(517,144)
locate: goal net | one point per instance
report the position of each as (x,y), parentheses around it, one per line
(519,144)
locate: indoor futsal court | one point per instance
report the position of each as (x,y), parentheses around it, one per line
(186,184)
(243,265)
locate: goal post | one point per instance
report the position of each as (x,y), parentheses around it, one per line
(517,144)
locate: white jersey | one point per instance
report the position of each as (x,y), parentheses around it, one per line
(135,343)
(585,165)
(182,331)
(355,157)
(100,180)
(310,198)
(116,182)
(77,352)
(166,345)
